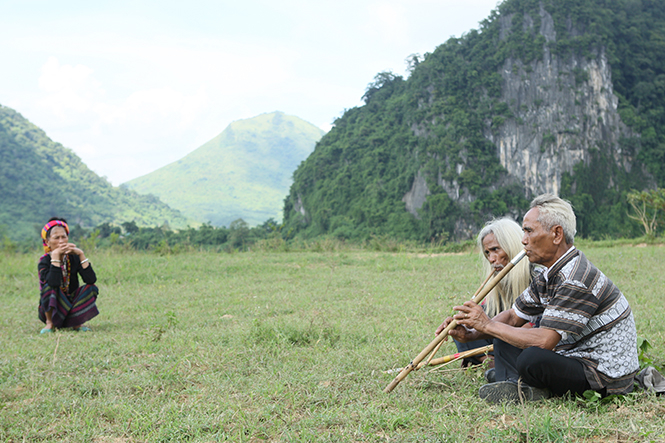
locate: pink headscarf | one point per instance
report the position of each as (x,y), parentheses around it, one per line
(47,227)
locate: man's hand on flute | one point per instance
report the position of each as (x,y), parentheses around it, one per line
(470,319)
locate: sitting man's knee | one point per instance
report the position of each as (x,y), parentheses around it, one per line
(527,360)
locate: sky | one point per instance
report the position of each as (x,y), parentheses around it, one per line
(133,85)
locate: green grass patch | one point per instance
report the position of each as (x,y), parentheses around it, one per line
(289,346)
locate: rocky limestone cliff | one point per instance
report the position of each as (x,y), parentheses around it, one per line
(562,109)
(415,198)
(560,97)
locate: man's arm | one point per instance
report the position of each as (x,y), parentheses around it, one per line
(468,333)
(506,326)
(522,337)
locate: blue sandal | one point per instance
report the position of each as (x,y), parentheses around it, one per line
(46,331)
(83,329)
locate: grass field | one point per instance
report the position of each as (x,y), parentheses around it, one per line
(291,346)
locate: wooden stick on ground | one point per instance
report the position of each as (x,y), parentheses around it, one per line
(444,334)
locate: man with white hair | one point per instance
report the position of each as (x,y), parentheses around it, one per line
(587,337)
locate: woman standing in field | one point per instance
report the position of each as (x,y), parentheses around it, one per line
(499,241)
(63,303)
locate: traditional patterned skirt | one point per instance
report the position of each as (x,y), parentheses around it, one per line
(68,311)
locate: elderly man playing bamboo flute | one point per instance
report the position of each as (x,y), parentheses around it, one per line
(586,339)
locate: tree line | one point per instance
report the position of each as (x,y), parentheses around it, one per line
(647,213)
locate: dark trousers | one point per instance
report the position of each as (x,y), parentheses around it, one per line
(539,368)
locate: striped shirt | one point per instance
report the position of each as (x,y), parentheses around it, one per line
(592,316)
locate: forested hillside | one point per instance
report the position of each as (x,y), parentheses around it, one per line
(40,178)
(243,173)
(564,96)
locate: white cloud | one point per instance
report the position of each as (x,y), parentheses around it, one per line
(154,106)
(88,119)
(387,21)
(68,88)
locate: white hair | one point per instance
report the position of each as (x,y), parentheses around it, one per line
(555,211)
(508,235)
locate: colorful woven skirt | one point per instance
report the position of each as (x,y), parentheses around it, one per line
(68,311)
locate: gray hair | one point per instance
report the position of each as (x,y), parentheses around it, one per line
(553,211)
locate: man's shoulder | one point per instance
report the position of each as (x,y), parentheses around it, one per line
(579,274)
(575,266)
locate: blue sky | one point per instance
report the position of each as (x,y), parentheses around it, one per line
(131,86)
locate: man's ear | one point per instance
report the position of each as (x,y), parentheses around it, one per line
(557,232)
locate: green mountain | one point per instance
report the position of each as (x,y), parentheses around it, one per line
(245,172)
(562,96)
(40,179)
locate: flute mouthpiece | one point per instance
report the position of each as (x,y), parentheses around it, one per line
(518,257)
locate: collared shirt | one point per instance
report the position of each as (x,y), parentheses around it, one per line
(546,271)
(592,316)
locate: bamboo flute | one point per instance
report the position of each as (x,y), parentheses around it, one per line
(457,356)
(431,356)
(439,338)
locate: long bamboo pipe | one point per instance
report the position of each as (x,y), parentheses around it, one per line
(431,356)
(453,357)
(457,356)
(453,324)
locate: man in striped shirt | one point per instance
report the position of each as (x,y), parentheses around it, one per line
(587,337)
